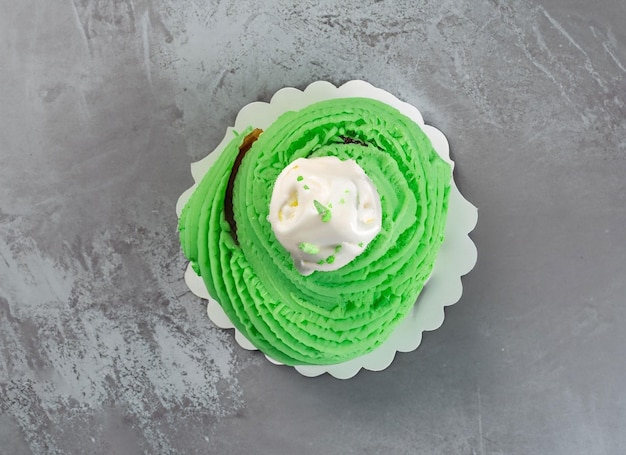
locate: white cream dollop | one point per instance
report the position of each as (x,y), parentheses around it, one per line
(325,212)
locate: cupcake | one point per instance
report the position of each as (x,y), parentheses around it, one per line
(317,234)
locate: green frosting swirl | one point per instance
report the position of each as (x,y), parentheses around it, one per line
(326,317)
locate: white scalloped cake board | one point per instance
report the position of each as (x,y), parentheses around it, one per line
(456,257)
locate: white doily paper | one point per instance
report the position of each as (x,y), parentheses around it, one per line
(456,257)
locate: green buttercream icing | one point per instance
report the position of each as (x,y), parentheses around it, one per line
(325,317)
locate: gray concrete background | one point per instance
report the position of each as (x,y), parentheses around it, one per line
(104,104)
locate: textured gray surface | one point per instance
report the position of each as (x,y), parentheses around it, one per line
(106,103)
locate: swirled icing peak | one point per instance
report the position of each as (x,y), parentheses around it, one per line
(324,211)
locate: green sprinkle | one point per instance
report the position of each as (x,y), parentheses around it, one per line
(309,248)
(319,207)
(330,206)
(324,211)
(360,244)
(337,249)
(330,259)
(306,187)
(347,191)
(342,201)
(300,178)
(321,262)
